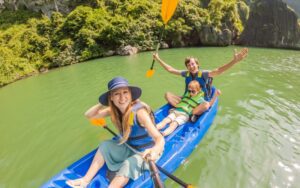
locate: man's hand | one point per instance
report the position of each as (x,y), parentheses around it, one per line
(238,56)
(155,56)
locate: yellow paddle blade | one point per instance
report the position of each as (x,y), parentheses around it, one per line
(190,186)
(98,122)
(167,9)
(150,73)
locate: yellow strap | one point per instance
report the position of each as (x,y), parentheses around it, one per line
(131,118)
(199,74)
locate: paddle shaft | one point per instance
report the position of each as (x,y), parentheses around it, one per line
(171,176)
(155,175)
(174,178)
(158,44)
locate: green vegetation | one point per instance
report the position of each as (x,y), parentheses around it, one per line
(31,43)
(10,18)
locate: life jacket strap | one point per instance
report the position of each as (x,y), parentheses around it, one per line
(138,137)
(208,85)
(191,99)
(142,146)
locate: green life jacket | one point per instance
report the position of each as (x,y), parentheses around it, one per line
(188,103)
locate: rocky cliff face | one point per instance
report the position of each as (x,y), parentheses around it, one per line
(44,6)
(295,5)
(211,37)
(271,24)
(228,32)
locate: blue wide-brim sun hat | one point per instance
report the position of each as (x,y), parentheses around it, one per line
(119,82)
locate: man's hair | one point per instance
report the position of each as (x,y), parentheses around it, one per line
(188,59)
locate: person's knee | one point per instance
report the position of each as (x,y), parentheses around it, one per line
(167,96)
(173,125)
(206,106)
(201,108)
(118,182)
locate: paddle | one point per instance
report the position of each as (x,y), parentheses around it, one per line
(155,175)
(167,10)
(153,166)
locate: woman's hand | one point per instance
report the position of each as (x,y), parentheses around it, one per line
(150,154)
(97,111)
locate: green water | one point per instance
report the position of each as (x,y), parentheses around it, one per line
(253,142)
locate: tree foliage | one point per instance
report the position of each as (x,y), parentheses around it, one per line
(30,42)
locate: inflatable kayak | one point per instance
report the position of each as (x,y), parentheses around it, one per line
(179,145)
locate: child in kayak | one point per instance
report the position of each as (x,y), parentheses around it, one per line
(184,109)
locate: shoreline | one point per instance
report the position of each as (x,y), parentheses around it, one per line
(48,70)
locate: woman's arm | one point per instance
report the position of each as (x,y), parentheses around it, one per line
(97,111)
(145,121)
(238,56)
(167,67)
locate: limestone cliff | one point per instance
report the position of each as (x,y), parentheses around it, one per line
(295,5)
(227,30)
(271,24)
(45,6)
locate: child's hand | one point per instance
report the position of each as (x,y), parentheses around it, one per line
(218,92)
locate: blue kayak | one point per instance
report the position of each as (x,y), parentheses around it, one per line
(179,145)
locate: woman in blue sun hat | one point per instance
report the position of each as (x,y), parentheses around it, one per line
(133,119)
